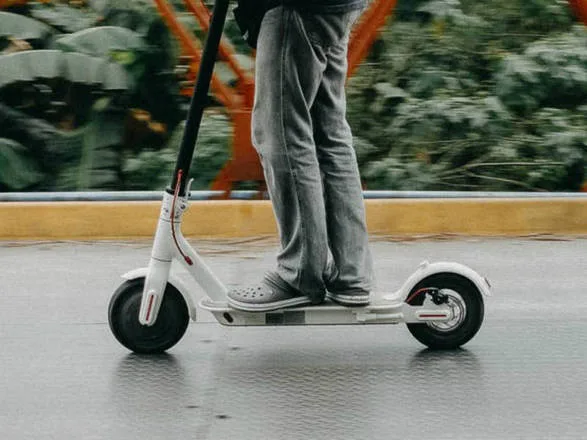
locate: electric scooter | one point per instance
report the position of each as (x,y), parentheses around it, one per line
(441,303)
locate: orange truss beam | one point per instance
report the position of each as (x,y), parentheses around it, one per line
(192,49)
(580,9)
(366,31)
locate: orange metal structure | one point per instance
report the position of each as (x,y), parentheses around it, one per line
(244,163)
(580,9)
(10,3)
(366,31)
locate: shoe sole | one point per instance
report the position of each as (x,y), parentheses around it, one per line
(268,307)
(349,300)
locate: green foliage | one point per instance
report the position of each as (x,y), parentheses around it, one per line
(157,87)
(92,154)
(23,28)
(64,17)
(470,96)
(18,170)
(550,72)
(51,100)
(152,169)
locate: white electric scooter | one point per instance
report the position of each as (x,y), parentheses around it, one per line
(441,303)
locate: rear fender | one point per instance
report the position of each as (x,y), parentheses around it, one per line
(427,269)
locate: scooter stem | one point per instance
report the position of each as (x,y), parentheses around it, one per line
(160,262)
(200,96)
(169,245)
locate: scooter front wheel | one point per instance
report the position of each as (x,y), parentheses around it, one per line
(123,317)
(466,303)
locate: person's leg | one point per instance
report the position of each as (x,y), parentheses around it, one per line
(289,72)
(350,279)
(300,76)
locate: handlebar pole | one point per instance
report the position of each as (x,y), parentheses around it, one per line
(200,96)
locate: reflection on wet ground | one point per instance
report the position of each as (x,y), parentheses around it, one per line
(523,376)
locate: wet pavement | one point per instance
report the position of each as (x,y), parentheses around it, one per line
(524,376)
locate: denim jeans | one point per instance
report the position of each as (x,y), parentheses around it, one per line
(305,145)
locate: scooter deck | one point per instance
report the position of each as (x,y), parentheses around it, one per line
(329,313)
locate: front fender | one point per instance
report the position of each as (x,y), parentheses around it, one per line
(427,269)
(173,280)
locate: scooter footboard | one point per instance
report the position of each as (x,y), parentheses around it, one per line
(329,313)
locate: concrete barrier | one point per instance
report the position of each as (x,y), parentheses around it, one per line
(240,218)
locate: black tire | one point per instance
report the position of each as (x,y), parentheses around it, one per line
(123,317)
(465,296)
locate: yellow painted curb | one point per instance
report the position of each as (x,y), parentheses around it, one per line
(487,217)
(209,219)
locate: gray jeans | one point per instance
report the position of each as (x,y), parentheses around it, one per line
(305,145)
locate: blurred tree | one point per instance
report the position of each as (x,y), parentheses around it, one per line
(92,154)
(18,170)
(152,169)
(453,97)
(157,87)
(82,140)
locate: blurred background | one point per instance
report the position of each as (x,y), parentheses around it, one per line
(442,95)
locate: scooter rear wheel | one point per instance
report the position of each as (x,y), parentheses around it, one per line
(466,302)
(123,317)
